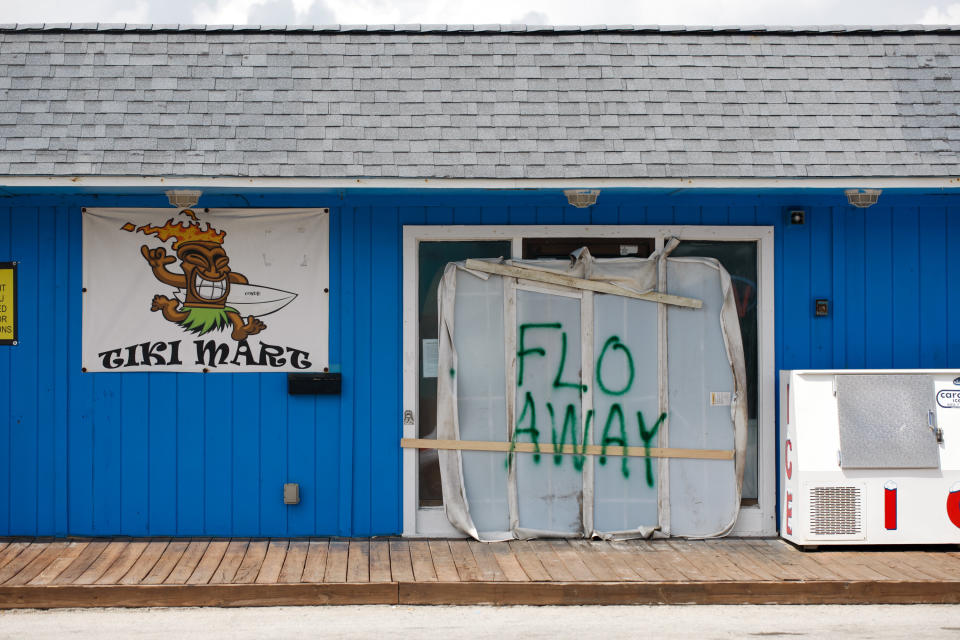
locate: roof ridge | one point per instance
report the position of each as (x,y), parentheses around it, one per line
(487,28)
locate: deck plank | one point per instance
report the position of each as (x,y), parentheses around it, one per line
(465,562)
(185,572)
(103,562)
(551,561)
(422,561)
(765,560)
(401,569)
(47,555)
(529,561)
(252,561)
(24,558)
(209,562)
(226,571)
(916,562)
(910,573)
(188,562)
(443,562)
(598,554)
(800,565)
(697,554)
(945,561)
(272,562)
(738,554)
(784,565)
(928,564)
(81,563)
(708,562)
(380,561)
(62,561)
(623,551)
(316,562)
(593,554)
(168,560)
(337,560)
(124,562)
(292,570)
(574,563)
(12,550)
(509,563)
(874,562)
(145,563)
(783,561)
(850,565)
(669,555)
(358,561)
(659,558)
(824,563)
(487,564)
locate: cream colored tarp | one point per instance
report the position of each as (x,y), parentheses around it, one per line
(525,361)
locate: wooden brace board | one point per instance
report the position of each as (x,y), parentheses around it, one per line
(546,449)
(578,283)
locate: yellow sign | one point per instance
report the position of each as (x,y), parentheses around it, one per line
(8,303)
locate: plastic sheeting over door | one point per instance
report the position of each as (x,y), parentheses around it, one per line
(580,375)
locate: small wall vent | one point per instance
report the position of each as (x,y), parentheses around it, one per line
(836,511)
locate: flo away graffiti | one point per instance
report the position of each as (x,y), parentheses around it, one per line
(532,339)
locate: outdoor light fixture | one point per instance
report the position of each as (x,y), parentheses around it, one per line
(862,198)
(582,198)
(183,199)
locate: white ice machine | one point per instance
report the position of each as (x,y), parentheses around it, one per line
(870,457)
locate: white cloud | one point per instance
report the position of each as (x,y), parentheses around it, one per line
(287,12)
(224,12)
(532,17)
(272,12)
(691,12)
(317,13)
(948,15)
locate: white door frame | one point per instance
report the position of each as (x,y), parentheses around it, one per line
(754,520)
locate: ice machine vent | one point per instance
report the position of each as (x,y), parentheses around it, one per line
(836,511)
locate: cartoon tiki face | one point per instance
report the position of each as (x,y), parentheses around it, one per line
(205,278)
(207,270)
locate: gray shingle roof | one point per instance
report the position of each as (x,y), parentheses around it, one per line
(491,101)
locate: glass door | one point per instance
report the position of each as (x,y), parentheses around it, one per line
(746,253)
(431,259)
(739,258)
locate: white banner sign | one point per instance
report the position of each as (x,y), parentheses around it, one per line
(205,290)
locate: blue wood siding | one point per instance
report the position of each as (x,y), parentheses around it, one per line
(100,454)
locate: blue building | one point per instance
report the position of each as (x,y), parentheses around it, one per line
(820,166)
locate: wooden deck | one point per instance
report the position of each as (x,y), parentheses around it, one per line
(243,572)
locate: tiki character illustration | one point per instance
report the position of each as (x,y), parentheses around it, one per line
(203,301)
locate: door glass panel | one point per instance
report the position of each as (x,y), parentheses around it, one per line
(625,346)
(739,258)
(481,393)
(549,490)
(433,257)
(703,493)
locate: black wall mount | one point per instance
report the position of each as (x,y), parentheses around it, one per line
(303,384)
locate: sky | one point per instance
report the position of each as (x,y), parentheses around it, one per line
(556,12)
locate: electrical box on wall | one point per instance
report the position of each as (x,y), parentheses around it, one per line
(870,457)
(313,383)
(291,493)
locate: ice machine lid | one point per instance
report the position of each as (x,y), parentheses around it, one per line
(884,421)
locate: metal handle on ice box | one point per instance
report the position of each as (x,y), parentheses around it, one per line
(931,422)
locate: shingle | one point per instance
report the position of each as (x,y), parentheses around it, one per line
(614,102)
